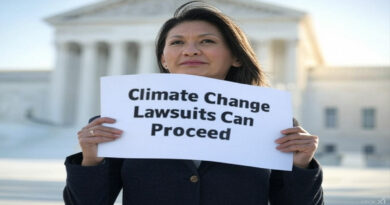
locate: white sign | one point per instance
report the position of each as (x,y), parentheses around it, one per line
(177,116)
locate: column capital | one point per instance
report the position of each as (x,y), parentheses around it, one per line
(89,44)
(117,42)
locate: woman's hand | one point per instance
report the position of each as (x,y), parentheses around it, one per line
(299,141)
(93,134)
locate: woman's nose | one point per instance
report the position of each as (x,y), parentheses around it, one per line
(191,50)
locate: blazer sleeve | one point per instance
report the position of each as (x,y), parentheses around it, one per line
(98,184)
(298,187)
(93,185)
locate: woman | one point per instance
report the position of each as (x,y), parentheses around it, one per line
(198,40)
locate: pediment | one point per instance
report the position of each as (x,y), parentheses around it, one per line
(127,10)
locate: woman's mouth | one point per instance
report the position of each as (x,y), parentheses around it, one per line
(192,63)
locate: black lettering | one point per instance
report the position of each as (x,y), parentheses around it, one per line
(156,128)
(185,114)
(136,115)
(188,132)
(149,113)
(147,94)
(166,131)
(201,133)
(159,95)
(195,113)
(265,107)
(211,116)
(221,100)
(162,112)
(174,113)
(178,131)
(223,117)
(193,97)
(255,106)
(207,97)
(174,96)
(244,103)
(131,94)
(202,113)
(233,102)
(183,95)
(212,134)
(248,121)
(225,135)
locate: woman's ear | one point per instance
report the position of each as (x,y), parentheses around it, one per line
(236,63)
(163,62)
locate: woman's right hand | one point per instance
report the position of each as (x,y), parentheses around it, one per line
(93,134)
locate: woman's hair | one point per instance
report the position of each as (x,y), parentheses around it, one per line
(249,72)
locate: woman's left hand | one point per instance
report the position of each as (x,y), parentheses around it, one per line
(299,141)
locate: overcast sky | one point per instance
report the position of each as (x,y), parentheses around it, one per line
(349,32)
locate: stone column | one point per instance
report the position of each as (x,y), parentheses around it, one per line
(58,84)
(291,75)
(147,59)
(88,83)
(117,59)
(264,54)
(291,63)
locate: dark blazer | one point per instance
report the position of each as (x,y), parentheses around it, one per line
(179,182)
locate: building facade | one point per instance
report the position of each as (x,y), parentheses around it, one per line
(117,37)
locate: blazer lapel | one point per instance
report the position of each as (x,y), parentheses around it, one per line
(205,165)
(190,164)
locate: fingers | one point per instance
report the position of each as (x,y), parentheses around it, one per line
(95,140)
(95,132)
(100,121)
(102,130)
(297,140)
(296,136)
(95,128)
(298,146)
(293,130)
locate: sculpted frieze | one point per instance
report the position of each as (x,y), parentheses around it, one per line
(137,9)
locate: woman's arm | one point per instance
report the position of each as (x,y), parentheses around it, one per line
(98,184)
(298,187)
(302,185)
(91,179)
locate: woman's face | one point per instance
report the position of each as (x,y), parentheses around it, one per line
(197,48)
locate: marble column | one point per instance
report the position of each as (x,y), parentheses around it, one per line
(265,55)
(147,59)
(291,63)
(291,75)
(117,59)
(88,83)
(58,84)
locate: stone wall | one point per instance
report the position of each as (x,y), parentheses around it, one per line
(24,95)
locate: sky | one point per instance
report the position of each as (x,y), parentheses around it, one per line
(349,32)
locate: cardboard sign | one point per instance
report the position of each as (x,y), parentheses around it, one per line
(177,116)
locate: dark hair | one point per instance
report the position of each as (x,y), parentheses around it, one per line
(249,72)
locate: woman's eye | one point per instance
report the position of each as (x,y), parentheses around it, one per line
(207,41)
(176,42)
